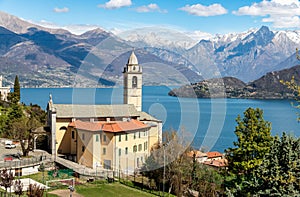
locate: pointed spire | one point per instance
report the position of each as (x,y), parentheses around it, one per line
(132,59)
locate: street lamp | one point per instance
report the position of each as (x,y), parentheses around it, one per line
(71,188)
(164,173)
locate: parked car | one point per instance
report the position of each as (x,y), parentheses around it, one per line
(10,145)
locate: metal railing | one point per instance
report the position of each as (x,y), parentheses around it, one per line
(24,162)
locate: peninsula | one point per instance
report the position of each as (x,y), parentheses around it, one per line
(268,86)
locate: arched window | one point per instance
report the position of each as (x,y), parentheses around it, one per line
(134,148)
(134,82)
(63,128)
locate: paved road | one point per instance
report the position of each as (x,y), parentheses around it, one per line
(4,152)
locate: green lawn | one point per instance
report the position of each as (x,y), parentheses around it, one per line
(113,189)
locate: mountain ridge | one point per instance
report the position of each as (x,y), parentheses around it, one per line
(269,86)
(58,58)
(88,59)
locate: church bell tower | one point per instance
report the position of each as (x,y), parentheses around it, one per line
(132,76)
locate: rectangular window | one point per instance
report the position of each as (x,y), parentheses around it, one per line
(82,148)
(97,138)
(139,134)
(73,134)
(104,151)
(137,162)
(83,136)
(140,147)
(134,136)
(120,152)
(134,148)
(104,138)
(126,150)
(126,137)
(120,138)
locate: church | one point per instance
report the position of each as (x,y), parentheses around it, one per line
(117,137)
(4,91)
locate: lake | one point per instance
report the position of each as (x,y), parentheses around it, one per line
(209,123)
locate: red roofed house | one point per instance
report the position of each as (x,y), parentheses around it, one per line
(219,163)
(117,137)
(214,156)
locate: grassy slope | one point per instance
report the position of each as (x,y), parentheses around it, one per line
(115,189)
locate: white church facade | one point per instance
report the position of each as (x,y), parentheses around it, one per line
(4,91)
(117,137)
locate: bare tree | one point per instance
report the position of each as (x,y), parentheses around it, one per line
(18,187)
(6,178)
(35,190)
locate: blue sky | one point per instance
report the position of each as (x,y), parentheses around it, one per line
(211,16)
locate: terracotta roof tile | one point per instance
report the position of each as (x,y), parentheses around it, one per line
(114,126)
(88,126)
(214,154)
(198,154)
(217,163)
(119,126)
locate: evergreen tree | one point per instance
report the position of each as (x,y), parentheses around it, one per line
(17,94)
(254,141)
(14,97)
(279,173)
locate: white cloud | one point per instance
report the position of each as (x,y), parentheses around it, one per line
(61,10)
(282,13)
(199,35)
(201,10)
(150,8)
(75,29)
(114,4)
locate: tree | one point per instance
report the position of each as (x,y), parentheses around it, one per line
(6,178)
(253,142)
(14,97)
(35,190)
(182,172)
(296,90)
(17,93)
(172,154)
(18,187)
(279,173)
(23,121)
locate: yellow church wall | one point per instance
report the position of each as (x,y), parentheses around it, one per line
(109,146)
(73,150)
(153,135)
(128,162)
(61,130)
(85,148)
(96,150)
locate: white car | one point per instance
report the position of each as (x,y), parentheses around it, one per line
(9,146)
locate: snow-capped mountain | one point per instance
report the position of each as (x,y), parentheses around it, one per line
(246,56)
(54,57)
(162,38)
(45,54)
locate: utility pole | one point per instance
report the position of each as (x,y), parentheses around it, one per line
(164,175)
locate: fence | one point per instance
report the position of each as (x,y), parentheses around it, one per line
(23,162)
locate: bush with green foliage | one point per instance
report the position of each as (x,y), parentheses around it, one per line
(279,174)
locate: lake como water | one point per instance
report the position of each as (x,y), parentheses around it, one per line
(208,123)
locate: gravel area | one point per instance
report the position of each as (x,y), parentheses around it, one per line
(64,193)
